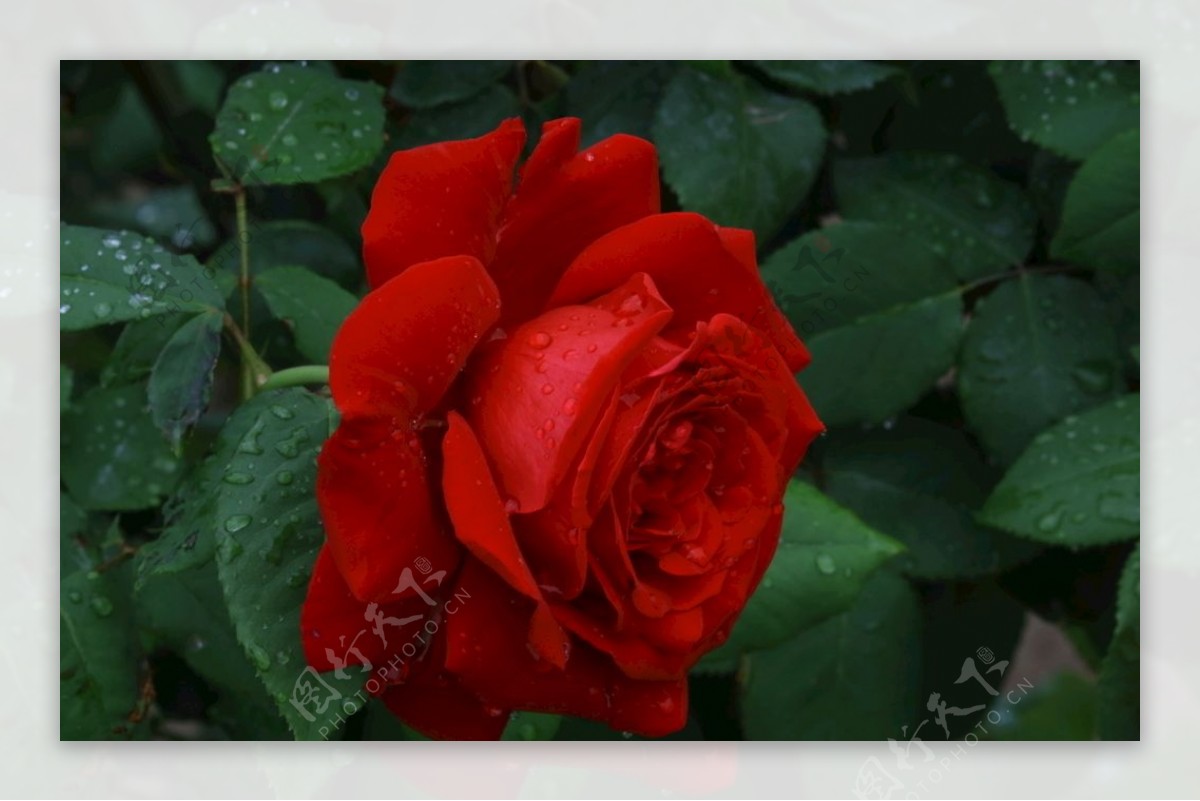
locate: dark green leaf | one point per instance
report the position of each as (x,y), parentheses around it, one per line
(138,348)
(466,119)
(293,242)
(735,152)
(113,276)
(827,77)
(825,554)
(421,84)
(1070,107)
(1119,713)
(612,97)
(181,380)
(313,307)
(980,223)
(113,457)
(920,483)
(268,534)
(292,124)
(74,548)
(1062,708)
(98,657)
(186,614)
(1101,220)
(1078,483)
(853,677)
(66,380)
(879,310)
(1037,349)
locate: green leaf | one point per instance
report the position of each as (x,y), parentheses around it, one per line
(465,119)
(735,152)
(612,97)
(114,276)
(1070,107)
(66,381)
(313,307)
(1119,690)
(113,457)
(853,677)
(827,77)
(291,124)
(980,223)
(186,614)
(181,380)
(138,348)
(268,534)
(75,551)
(825,554)
(531,726)
(1038,348)
(920,483)
(1101,220)
(292,242)
(1061,708)
(421,84)
(98,679)
(879,311)
(1077,484)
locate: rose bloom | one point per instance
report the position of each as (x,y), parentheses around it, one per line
(567,423)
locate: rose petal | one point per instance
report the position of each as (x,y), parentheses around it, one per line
(337,629)
(486,649)
(565,205)
(444,199)
(375,501)
(696,271)
(404,344)
(536,395)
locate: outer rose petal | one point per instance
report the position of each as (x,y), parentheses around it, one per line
(400,348)
(439,200)
(563,204)
(376,504)
(535,395)
(486,648)
(700,270)
(335,627)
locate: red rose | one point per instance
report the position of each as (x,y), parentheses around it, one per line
(567,422)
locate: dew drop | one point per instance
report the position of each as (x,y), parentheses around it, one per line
(277,100)
(102,606)
(237,523)
(825,564)
(540,340)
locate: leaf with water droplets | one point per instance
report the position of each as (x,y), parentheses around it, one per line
(268,534)
(855,676)
(114,276)
(1078,483)
(292,124)
(181,379)
(736,152)
(825,554)
(113,457)
(312,306)
(878,309)
(1101,219)
(98,678)
(1070,107)
(1038,348)
(978,222)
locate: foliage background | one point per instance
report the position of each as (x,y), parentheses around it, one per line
(957,242)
